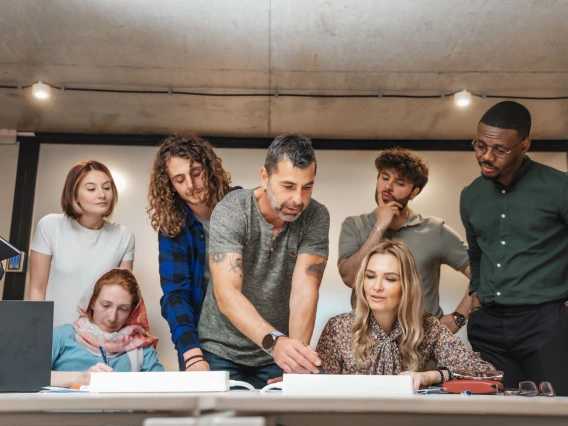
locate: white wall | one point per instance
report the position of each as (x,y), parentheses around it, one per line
(345,184)
(8,166)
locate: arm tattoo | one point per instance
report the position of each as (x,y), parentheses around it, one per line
(317,269)
(236,264)
(218,258)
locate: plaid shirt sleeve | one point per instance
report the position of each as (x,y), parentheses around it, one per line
(181,276)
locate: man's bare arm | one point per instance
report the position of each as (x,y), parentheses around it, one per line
(465,304)
(227,278)
(306,281)
(290,354)
(349,266)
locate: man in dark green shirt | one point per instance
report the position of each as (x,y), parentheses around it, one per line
(516,220)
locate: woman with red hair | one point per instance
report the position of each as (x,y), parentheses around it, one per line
(112,321)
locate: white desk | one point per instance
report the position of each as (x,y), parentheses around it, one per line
(424,410)
(85,409)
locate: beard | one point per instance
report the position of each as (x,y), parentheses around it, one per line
(402,201)
(488,164)
(278,208)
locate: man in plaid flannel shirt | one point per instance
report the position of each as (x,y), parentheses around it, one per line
(186,183)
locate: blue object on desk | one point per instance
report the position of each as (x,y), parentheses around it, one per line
(104,355)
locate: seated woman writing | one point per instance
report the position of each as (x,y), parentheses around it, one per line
(112,316)
(389,332)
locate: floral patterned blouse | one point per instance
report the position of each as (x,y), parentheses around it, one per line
(439,344)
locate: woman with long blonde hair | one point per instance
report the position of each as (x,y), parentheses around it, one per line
(389,332)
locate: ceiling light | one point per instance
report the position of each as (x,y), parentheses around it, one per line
(41,90)
(462,99)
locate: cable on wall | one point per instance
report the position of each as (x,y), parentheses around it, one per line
(277,93)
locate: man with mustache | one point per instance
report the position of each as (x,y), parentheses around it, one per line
(516,220)
(401,177)
(268,251)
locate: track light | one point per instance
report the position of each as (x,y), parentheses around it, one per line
(462,99)
(41,90)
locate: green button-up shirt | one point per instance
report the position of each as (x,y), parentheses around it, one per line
(518,236)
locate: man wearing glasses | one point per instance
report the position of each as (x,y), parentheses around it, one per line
(516,220)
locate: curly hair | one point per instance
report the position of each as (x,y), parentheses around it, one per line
(166,208)
(410,309)
(407,164)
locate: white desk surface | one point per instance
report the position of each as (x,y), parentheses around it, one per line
(432,404)
(249,402)
(40,402)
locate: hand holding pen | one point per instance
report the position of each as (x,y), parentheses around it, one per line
(101,367)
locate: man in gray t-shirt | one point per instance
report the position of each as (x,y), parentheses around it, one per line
(401,177)
(267,253)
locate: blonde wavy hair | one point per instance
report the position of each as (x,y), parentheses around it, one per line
(410,308)
(165,207)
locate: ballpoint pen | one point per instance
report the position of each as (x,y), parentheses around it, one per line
(104,355)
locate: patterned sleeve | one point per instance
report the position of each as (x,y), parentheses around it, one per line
(327,349)
(449,350)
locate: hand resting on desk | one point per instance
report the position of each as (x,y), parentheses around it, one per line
(425,378)
(66,379)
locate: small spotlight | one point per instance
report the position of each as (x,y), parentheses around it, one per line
(462,99)
(41,90)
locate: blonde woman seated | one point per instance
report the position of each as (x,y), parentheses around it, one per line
(389,332)
(112,316)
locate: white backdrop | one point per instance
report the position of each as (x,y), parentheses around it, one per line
(345,183)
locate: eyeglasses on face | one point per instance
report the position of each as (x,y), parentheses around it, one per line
(498,152)
(529,388)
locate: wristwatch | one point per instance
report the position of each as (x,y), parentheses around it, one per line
(269,341)
(459,319)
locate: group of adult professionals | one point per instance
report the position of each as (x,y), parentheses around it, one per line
(240,269)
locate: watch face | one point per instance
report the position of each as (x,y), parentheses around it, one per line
(268,342)
(460,319)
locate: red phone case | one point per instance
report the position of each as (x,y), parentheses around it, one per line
(474,386)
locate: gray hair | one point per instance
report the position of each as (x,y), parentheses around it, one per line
(289,147)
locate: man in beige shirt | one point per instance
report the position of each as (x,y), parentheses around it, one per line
(401,177)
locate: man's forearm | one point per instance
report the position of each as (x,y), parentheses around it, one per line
(303,315)
(465,304)
(244,316)
(349,267)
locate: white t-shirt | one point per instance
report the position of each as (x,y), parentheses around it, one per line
(79,257)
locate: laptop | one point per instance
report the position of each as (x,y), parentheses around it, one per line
(26,336)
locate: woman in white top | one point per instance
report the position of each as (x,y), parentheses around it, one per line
(70,251)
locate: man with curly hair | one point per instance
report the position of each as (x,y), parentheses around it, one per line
(268,251)
(401,177)
(187,182)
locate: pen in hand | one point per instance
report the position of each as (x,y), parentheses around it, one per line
(104,355)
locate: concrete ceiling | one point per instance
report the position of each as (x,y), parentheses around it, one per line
(507,47)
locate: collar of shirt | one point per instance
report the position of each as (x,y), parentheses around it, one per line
(189,216)
(382,335)
(519,174)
